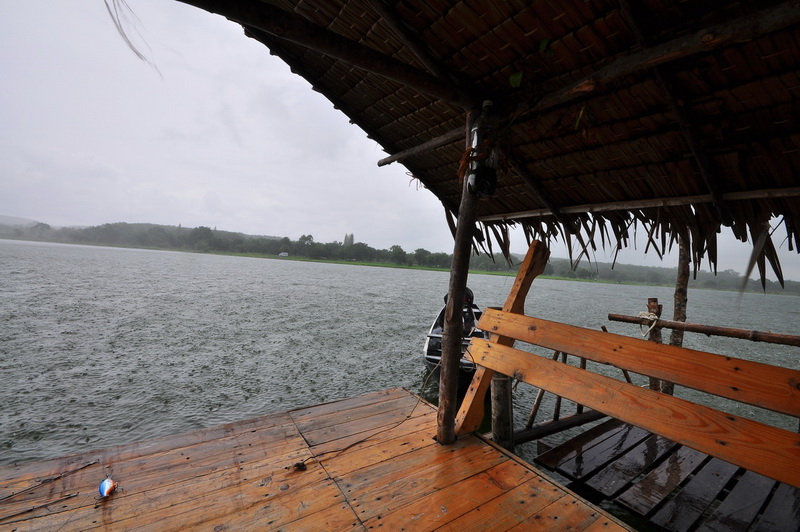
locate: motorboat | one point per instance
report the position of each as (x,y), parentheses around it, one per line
(432,351)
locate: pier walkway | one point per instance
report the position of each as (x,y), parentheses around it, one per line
(367,462)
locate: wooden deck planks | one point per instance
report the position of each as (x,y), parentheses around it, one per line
(369,461)
(672,487)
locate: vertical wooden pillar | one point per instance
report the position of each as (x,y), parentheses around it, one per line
(453,321)
(655,334)
(502,412)
(680,298)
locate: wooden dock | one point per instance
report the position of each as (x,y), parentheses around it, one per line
(361,463)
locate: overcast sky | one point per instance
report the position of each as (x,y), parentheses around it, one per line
(219,134)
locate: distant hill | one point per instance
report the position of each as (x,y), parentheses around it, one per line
(16,220)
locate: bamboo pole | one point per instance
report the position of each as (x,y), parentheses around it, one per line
(711,330)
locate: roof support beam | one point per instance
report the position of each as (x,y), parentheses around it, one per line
(790,192)
(401,30)
(435,142)
(297,30)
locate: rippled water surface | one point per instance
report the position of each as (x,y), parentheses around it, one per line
(101,346)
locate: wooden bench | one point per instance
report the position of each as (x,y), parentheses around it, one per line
(765,449)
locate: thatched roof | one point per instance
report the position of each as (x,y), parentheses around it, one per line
(609,115)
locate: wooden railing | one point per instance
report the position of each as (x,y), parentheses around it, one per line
(762,448)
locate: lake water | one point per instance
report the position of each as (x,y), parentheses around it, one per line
(102,346)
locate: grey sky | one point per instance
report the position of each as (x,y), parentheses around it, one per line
(221,134)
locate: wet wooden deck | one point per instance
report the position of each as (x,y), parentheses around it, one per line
(367,462)
(669,485)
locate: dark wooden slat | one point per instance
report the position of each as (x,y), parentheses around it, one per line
(599,455)
(782,512)
(553,427)
(755,446)
(648,493)
(617,475)
(741,506)
(682,511)
(569,449)
(771,387)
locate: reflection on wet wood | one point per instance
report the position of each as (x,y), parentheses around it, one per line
(742,504)
(589,461)
(681,512)
(663,480)
(621,472)
(558,455)
(782,512)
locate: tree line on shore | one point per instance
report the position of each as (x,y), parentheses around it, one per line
(207,240)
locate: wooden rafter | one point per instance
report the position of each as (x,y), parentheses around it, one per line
(404,34)
(699,155)
(432,144)
(762,23)
(300,31)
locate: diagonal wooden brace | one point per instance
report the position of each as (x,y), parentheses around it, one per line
(470,415)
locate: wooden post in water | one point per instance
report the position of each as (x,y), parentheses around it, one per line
(453,321)
(680,298)
(655,334)
(502,412)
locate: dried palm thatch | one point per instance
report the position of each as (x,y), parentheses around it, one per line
(612,116)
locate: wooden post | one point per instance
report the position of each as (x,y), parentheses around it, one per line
(471,413)
(502,412)
(655,334)
(680,298)
(453,321)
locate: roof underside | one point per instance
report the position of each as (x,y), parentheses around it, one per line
(673,117)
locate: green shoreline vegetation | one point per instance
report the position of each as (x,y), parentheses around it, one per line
(206,240)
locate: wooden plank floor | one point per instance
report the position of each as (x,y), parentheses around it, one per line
(672,486)
(366,462)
